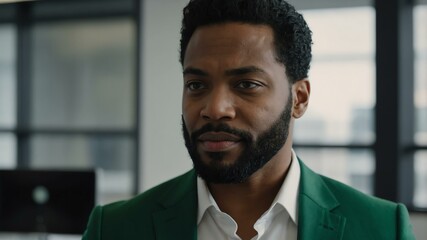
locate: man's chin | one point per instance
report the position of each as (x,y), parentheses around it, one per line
(226,158)
(213,157)
(219,172)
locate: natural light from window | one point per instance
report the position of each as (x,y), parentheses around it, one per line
(342,98)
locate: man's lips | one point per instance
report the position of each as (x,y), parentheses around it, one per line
(218,141)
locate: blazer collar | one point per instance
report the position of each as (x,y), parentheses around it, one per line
(179,214)
(316,219)
(316,205)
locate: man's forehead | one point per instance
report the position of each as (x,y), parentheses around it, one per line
(230,40)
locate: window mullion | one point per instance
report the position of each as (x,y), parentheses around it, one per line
(23,84)
(394,110)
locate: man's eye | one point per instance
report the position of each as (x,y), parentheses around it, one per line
(195,86)
(247,85)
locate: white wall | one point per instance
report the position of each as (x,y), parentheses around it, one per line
(163,154)
(419,222)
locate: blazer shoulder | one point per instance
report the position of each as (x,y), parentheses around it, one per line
(329,193)
(155,197)
(374,217)
(347,195)
(345,212)
(131,218)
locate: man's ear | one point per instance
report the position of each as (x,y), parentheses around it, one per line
(301,95)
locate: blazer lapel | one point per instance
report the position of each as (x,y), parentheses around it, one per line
(316,202)
(316,220)
(178,220)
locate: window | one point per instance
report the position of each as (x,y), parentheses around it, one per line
(359,124)
(7,76)
(420,165)
(69,90)
(7,95)
(83,74)
(83,78)
(342,98)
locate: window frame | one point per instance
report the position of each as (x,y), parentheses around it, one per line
(21,15)
(394,112)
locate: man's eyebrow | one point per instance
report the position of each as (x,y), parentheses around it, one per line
(244,70)
(194,71)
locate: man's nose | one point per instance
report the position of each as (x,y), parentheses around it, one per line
(219,105)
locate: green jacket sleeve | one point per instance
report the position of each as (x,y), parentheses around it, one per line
(93,231)
(404,227)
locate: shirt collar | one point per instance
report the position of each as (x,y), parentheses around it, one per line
(287,195)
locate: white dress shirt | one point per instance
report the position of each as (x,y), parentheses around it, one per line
(278,222)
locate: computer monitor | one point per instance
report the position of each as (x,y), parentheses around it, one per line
(46,201)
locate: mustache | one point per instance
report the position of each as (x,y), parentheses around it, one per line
(245,136)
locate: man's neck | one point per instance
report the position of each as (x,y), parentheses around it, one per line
(246,202)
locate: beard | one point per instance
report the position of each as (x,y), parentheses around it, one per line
(255,153)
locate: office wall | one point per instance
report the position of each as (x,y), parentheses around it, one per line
(419,222)
(163,154)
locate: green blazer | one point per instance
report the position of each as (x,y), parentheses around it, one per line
(327,210)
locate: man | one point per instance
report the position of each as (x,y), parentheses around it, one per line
(245,66)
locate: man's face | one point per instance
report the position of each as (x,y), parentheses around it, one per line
(237,101)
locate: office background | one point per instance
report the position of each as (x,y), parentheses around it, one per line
(97,84)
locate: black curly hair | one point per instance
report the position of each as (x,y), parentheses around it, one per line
(291,33)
